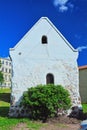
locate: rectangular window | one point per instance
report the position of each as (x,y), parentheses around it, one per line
(9,64)
(6,62)
(5,77)
(2,69)
(6,70)
(9,70)
(2,61)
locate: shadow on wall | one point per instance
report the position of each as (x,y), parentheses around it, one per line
(4,104)
(5,97)
(4,111)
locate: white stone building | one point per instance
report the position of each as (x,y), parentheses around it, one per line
(43,56)
(6,69)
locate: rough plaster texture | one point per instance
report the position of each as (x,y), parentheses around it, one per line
(32,61)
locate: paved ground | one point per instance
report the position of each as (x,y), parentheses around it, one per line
(61,127)
(23,126)
(62,123)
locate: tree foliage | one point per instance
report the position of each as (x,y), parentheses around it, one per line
(44,101)
(1,75)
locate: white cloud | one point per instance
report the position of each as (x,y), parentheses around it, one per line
(63,5)
(81,48)
(60,2)
(63,8)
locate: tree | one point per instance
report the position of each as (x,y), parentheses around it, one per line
(43,101)
(1,75)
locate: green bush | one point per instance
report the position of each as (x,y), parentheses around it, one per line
(43,101)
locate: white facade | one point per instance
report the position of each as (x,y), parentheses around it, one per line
(6,69)
(33,60)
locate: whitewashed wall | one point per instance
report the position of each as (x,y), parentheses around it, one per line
(32,61)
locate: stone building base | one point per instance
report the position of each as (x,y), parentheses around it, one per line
(20,111)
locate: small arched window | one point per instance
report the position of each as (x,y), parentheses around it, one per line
(49,79)
(44,39)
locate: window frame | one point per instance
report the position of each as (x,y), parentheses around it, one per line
(49,78)
(44,39)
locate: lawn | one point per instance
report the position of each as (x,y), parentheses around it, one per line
(7,123)
(4,101)
(84,108)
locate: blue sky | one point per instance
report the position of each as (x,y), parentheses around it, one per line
(69,16)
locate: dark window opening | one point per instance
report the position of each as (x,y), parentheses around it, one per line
(49,79)
(44,40)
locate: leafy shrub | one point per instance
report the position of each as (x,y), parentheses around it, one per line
(43,101)
(1,75)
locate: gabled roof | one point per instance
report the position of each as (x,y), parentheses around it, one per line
(44,18)
(59,33)
(82,67)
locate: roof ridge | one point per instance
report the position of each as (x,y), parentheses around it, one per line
(83,67)
(55,28)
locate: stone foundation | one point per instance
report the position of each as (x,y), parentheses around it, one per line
(18,111)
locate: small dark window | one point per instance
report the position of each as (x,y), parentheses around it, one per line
(6,63)
(44,39)
(19,53)
(2,62)
(49,79)
(6,70)
(9,70)
(2,69)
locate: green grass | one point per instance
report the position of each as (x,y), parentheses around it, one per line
(7,123)
(84,108)
(5,90)
(5,97)
(4,101)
